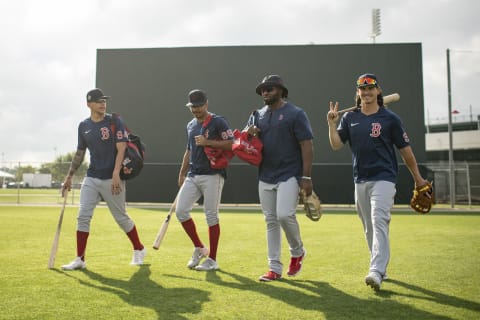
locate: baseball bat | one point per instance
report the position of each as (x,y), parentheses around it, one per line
(164,227)
(394,97)
(53,252)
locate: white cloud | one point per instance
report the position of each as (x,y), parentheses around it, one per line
(49,49)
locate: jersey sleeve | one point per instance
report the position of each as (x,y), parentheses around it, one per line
(302,128)
(342,128)
(120,134)
(224,131)
(81,143)
(399,135)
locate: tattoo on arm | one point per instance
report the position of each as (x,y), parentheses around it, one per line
(76,162)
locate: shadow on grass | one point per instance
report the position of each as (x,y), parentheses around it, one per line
(322,297)
(429,295)
(141,291)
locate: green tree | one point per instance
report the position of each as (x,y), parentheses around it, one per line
(59,168)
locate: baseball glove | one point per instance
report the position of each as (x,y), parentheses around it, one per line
(311,204)
(423,198)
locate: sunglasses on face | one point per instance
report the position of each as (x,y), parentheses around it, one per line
(267,89)
(101,101)
(366,81)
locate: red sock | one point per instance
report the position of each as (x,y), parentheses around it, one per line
(214,235)
(82,237)
(133,236)
(191,230)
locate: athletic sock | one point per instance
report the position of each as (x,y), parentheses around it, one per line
(214,235)
(191,230)
(133,236)
(82,237)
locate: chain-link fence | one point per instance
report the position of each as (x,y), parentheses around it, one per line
(466,188)
(466,176)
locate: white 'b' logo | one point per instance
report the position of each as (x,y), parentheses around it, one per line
(376,128)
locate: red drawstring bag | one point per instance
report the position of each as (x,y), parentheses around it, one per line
(218,158)
(249,149)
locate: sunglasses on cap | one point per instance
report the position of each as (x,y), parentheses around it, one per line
(366,81)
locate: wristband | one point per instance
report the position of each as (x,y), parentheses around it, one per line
(306,178)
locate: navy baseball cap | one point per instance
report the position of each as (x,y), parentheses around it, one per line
(196,98)
(367,79)
(95,95)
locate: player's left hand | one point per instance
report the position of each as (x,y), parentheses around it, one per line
(306,186)
(116,184)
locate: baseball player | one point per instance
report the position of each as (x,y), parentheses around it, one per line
(107,149)
(197,178)
(286,134)
(372,131)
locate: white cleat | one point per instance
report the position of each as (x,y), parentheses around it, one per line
(374,280)
(78,263)
(138,257)
(207,265)
(198,254)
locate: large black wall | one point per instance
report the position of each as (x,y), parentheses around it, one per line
(149,89)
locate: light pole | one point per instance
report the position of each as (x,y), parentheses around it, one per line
(450,137)
(376,25)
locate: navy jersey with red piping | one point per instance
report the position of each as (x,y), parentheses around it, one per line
(282,130)
(217,129)
(98,138)
(372,139)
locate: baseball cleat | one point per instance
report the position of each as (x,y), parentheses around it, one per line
(78,263)
(270,276)
(207,265)
(374,280)
(138,257)
(296,264)
(198,254)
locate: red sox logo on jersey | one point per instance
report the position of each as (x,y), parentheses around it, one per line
(105,133)
(376,128)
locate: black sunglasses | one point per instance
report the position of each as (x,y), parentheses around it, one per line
(267,89)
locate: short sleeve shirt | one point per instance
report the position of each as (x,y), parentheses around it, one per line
(217,129)
(282,130)
(372,139)
(100,141)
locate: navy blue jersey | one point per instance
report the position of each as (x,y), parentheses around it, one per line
(281,132)
(101,143)
(372,139)
(217,129)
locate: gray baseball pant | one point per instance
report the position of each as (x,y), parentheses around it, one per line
(92,191)
(279,204)
(374,200)
(210,186)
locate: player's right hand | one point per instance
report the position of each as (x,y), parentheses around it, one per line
(332,115)
(66,186)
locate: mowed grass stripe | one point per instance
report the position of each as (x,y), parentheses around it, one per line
(433,270)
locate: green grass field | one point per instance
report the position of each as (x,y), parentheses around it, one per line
(434,269)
